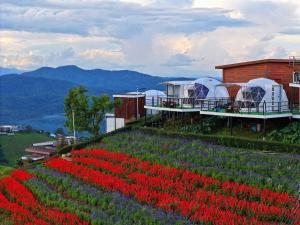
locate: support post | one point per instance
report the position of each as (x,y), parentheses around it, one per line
(230,126)
(265,130)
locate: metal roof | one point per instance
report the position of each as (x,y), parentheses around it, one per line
(258,62)
(178,82)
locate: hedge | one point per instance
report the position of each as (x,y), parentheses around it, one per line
(229,141)
(89,141)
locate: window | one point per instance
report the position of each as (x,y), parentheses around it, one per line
(253,94)
(296,77)
(201,91)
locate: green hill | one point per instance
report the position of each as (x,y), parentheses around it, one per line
(12,147)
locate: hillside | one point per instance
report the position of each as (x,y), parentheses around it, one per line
(134,177)
(32,97)
(12,147)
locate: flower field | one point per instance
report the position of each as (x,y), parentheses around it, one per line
(122,186)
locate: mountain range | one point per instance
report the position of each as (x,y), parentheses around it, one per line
(31,96)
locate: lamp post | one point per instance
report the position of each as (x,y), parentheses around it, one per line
(74,132)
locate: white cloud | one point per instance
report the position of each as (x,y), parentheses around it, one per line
(164,37)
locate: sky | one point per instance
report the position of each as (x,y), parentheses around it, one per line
(158,37)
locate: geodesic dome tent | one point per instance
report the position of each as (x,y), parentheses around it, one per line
(262,94)
(209,88)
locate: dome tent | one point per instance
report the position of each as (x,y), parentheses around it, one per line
(209,88)
(262,92)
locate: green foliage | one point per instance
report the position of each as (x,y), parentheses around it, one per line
(99,106)
(59,131)
(76,102)
(5,170)
(290,134)
(88,111)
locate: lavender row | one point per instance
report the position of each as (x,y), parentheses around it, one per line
(111,207)
(279,172)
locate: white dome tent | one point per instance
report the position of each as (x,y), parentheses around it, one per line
(209,88)
(262,95)
(209,92)
(152,99)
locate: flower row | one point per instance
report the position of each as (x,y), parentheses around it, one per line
(190,192)
(24,198)
(193,209)
(242,191)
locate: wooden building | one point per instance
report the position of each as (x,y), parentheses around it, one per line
(131,107)
(41,151)
(279,70)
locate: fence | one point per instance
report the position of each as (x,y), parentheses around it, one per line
(228,105)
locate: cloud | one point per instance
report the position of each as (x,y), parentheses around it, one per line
(163,37)
(108,18)
(179,60)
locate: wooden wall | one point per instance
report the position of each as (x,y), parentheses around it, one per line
(282,73)
(127,110)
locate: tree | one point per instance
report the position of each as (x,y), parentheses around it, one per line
(89,112)
(59,131)
(77,102)
(99,106)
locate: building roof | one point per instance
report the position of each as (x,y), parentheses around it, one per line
(40,150)
(258,62)
(178,82)
(130,95)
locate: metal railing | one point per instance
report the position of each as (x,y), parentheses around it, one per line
(246,107)
(228,105)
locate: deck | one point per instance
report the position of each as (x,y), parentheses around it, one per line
(225,107)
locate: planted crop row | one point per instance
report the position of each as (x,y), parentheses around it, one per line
(106,207)
(279,172)
(206,206)
(20,202)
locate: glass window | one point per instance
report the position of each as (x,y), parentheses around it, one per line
(253,94)
(201,91)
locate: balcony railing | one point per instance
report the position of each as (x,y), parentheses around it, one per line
(228,105)
(246,107)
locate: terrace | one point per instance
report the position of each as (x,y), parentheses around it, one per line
(223,107)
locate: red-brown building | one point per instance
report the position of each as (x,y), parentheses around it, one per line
(279,70)
(130,102)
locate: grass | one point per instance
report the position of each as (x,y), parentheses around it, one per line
(12,147)
(5,170)
(240,132)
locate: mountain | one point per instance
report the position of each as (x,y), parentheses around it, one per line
(4,71)
(37,97)
(33,97)
(122,80)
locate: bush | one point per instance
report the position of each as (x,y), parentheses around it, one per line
(290,134)
(229,141)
